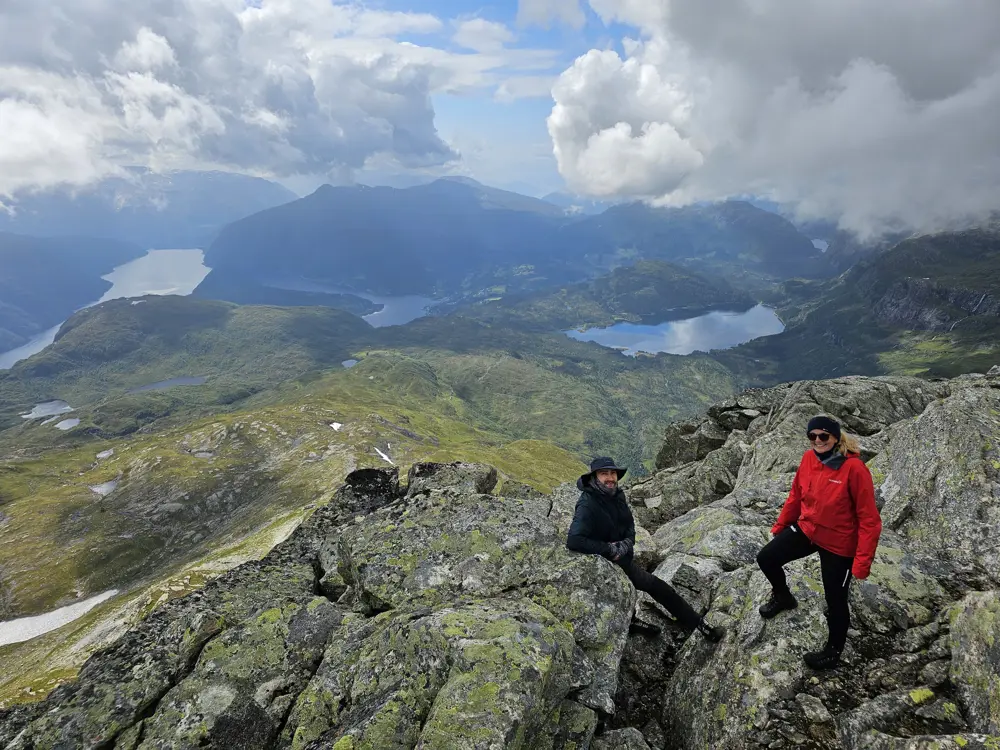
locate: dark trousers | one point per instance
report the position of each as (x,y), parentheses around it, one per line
(791,544)
(663,593)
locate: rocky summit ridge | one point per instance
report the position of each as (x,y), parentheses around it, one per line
(448,614)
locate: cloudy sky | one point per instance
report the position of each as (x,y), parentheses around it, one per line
(879,114)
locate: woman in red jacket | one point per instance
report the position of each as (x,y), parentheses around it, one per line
(830,510)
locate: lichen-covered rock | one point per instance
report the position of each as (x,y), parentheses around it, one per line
(717,695)
(111,695)
(691,576)
(243,686)
(458,476)
(975,660)
(484,675)
(435,548)
(732,536)
(620,739)
(876,740)
(576,727)
(900,593)
(673,492)
(939,483)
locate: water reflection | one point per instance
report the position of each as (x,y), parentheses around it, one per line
(715,330)
(199,380)
(395,310)
(158,272)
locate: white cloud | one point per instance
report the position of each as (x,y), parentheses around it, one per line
(482,35)
(546,12)
(279,87)
(149,51)
(882,117)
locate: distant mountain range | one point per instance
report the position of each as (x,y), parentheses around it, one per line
(155,210)
(456,237)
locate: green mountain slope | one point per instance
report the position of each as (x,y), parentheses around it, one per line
(103,352)
(177,492)
(649,291)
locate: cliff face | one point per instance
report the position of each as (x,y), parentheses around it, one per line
(442,615)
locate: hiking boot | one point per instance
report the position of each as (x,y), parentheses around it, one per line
(825,659)
(711,634)
(777,603)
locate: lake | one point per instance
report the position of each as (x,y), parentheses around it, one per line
(715,330)
(158,272)
(199,380)
(395,310)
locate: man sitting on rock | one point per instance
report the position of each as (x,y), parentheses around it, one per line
(603,525)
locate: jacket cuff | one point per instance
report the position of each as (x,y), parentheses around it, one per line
(861,570)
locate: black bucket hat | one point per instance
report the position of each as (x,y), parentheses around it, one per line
(604,462)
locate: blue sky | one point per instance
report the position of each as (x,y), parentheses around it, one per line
(505,142)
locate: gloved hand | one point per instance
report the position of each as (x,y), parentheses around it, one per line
(616,550)
(621,549)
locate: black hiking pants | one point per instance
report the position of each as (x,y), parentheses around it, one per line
(791,544)
(663,593)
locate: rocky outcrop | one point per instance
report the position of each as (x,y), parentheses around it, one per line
(923,304)
(445,614)
(931,450)
(434,615)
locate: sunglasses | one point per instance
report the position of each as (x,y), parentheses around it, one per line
(821,437)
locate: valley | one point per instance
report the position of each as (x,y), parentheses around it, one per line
(205,406)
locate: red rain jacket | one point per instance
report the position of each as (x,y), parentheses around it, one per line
(835,508)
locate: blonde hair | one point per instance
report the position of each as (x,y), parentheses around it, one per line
(848,444)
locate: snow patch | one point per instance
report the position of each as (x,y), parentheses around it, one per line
(385,457)
(105,454)
(48,409)
(336,425)
(26,628)
(68,424)
(104,489)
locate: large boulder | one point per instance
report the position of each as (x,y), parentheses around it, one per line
(975,660)
(939,483)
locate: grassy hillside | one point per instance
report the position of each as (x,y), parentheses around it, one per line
(649,291)
(103,352)
(180,489)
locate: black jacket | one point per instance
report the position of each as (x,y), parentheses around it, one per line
(600,519)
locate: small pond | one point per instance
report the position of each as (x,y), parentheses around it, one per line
(199,380)
(714,330)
